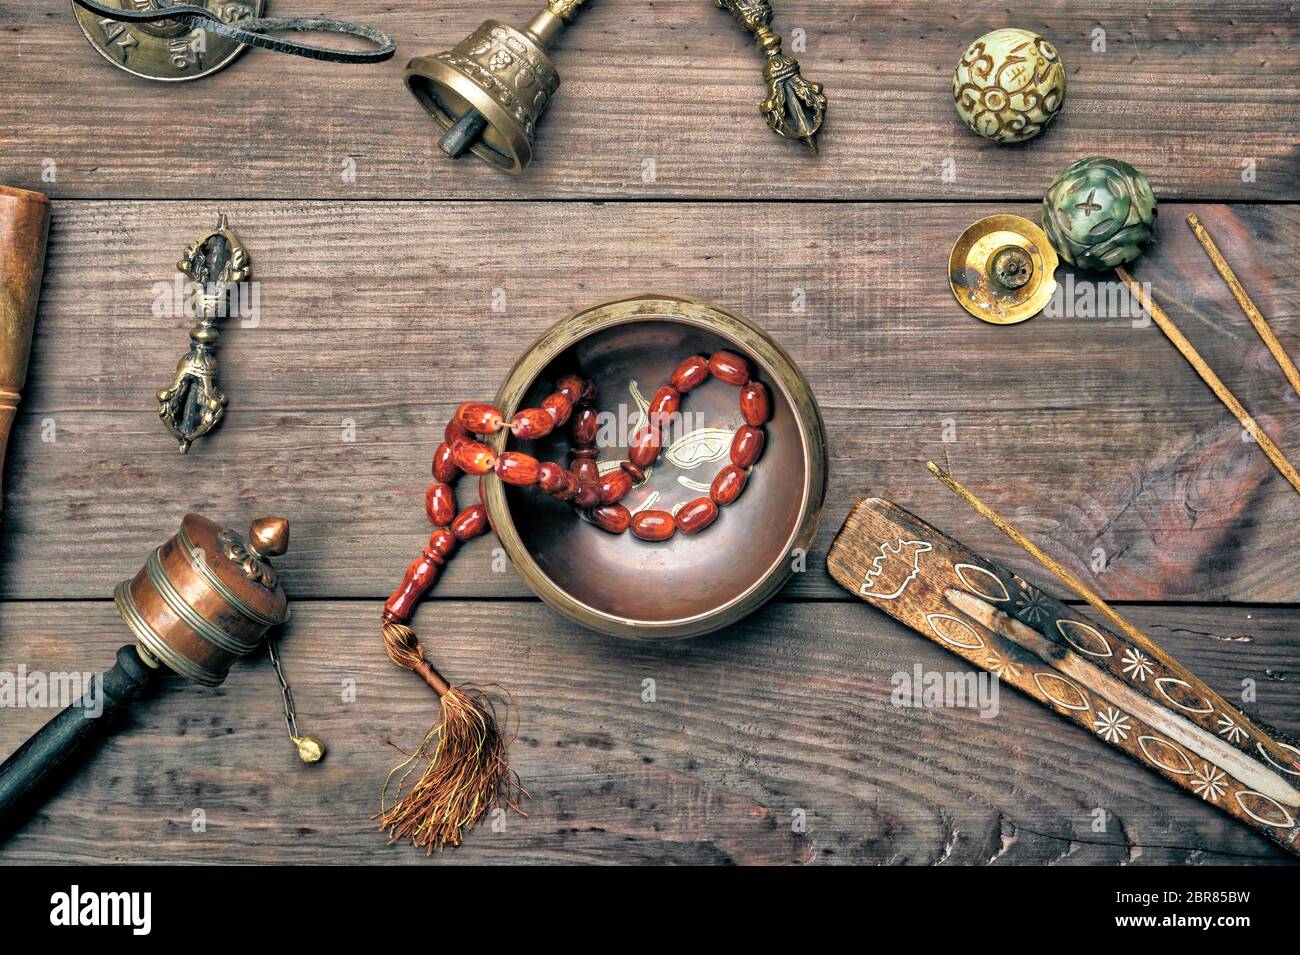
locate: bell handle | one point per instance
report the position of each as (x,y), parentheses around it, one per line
(45,761)
(566,10)
(551,20)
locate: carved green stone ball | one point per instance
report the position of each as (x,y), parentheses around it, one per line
(1009,85)
(1099,213)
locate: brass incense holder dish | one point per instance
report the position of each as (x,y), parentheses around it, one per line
(687,586)
(1002,269)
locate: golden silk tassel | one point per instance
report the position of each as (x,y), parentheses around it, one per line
(465,770)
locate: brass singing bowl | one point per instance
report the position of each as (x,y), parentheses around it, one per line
(689,585)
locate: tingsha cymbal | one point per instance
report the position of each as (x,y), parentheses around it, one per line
(1002,269)
(166,50)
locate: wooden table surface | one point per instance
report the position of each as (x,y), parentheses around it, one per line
(379,264)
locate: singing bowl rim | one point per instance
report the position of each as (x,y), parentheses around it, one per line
(780,370)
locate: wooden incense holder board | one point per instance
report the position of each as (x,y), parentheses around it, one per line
(1137,700)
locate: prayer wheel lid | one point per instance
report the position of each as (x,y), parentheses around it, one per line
(238,569)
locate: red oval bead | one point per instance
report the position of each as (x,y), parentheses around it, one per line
(532,423)
(550,477)
(444,468)
(653,525)
(729,367)
(634,472)
(572,387)
(614,486)
(454,431)
(479,417)
(440,504)
(614,518)
(746,446)
(690,373)
(586,469)
(697,515)
(588,494)
(645,447)
(755,407)
(586,423)
(515,467)
(728,484)
(558,407)
(441,543)
(471,523)
(664,405)
(568,490)
(472,457)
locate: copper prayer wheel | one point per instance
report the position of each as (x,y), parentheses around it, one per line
(206,597)
(203,599)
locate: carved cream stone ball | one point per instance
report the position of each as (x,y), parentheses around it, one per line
(1009,85)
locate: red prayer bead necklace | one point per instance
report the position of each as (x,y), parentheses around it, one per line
(466,771)
(582,484)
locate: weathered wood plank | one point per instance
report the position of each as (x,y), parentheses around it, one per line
(1196,96)
(788,711)
(1090,434)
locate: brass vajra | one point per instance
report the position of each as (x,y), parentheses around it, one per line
(794,107)
(191,405)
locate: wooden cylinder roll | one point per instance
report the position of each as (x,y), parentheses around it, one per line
(24,224)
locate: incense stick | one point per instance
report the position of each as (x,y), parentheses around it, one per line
(1074,583)
(1247,304)
(1207,374)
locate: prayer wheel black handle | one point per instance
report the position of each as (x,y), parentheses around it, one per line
(45,761)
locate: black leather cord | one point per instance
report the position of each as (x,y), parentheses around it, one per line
(253,31)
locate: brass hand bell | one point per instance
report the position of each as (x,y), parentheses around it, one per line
(203,599)
(490,90)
